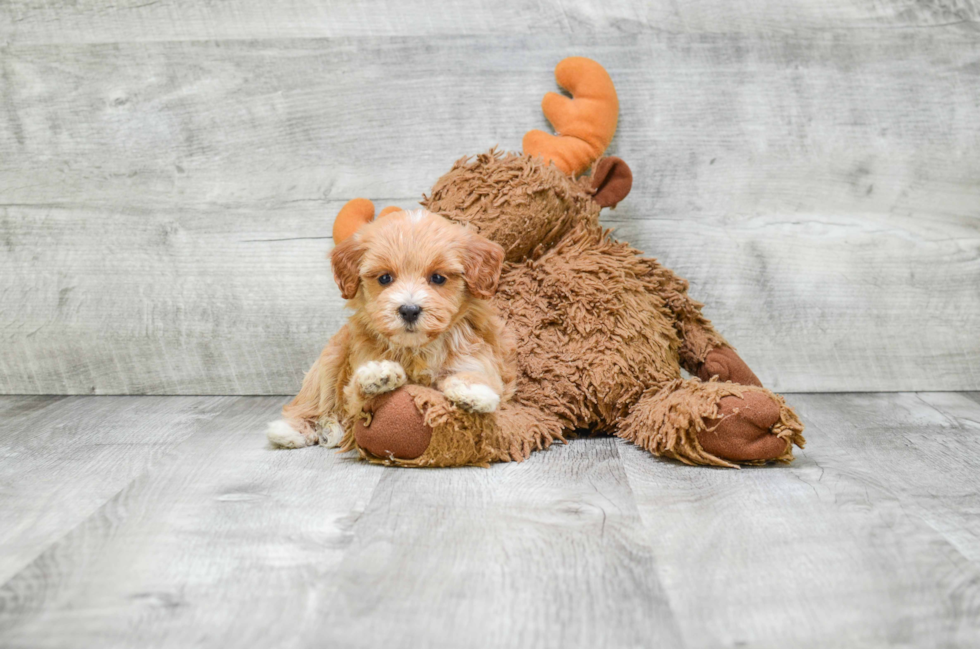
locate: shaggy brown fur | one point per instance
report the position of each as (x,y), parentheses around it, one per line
(513,200)
(458,437)
(602,334)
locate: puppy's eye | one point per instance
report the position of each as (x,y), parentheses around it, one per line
(437,279)
(385,279)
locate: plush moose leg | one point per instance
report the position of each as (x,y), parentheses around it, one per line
(716,423)
(726,365)
(418,426)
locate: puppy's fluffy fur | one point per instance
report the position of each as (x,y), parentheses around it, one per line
(418,285)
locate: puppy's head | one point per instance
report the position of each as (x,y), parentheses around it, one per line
(411,275)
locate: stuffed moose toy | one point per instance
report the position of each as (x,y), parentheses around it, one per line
(601,332)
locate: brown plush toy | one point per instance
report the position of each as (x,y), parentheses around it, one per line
(602,331)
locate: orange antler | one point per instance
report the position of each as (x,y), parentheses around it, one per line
(585,123)
(355,213)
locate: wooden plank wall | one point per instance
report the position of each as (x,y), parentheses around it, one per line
(169,173)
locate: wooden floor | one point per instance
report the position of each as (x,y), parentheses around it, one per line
(167,521)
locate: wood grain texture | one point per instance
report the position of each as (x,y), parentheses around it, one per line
(92,21)
(165,207)
(62,459)
(869,539)
(933,485)
(546,553)
(209,301)
(221,544)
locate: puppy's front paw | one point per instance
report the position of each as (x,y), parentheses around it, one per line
(474,397)
(282,435)
(376,377)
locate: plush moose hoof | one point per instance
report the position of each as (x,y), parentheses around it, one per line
(396,429)
(743,430)
(724,363)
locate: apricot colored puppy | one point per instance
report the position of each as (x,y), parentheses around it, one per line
(419,286)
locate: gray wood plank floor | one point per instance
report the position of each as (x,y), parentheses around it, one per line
(168,522)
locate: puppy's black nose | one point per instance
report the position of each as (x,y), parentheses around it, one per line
(409,312)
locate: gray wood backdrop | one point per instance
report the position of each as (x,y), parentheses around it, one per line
(169,173)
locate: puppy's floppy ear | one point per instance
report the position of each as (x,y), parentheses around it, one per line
(345,259)
(482,262)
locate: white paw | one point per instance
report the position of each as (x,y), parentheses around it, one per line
(331,433)
(281,434)
(376,377)
(474,397)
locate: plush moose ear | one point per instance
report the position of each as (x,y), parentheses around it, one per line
(345,259)
(482,262)
(611,181)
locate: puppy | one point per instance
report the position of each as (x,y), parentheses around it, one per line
(419,286)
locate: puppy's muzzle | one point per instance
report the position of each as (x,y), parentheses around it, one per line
(410,312)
